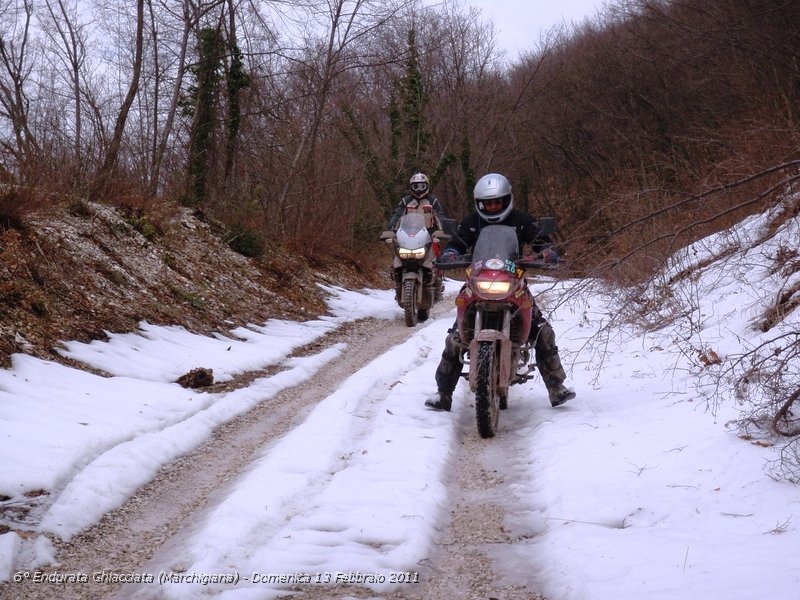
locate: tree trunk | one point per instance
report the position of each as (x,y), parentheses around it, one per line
(110,163)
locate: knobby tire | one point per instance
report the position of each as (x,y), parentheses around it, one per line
(410,302)
(486,396)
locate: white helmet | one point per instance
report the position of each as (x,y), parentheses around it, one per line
(493,187)
(420,185)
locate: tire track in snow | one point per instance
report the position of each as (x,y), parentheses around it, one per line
(129,537)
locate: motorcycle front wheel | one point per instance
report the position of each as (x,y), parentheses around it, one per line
(486,395)
(409,299)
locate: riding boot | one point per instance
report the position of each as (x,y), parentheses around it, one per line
(559,394)
(440,401)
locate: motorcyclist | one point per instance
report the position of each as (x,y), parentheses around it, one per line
(494,205)
(420,200)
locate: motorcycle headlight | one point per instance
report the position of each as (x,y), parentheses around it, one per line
(493,288)
(417,254)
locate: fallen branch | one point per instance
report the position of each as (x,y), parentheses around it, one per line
(781,414)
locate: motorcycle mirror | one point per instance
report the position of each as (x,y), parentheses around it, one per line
(387,235)
(547,225)
(440,236)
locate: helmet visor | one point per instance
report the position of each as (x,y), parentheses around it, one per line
(493,206)
(419,186)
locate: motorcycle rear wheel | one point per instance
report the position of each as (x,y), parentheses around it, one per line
(487,398)
(409,299)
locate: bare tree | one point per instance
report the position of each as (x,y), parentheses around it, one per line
(110,162)
(347,23)
(16,65)
(69,40)
(189,16)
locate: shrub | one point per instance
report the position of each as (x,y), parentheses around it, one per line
(244,241)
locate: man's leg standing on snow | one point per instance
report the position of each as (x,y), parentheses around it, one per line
(547,359)
(447,373)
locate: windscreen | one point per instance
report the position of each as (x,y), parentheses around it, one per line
(496,241)
(412,223)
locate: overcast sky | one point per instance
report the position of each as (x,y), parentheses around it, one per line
(520,22)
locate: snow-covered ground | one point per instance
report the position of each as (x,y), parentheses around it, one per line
(635,489)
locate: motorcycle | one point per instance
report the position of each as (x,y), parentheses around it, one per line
(494,314)
(417,281)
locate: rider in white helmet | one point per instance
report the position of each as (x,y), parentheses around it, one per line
(420,196)
(494,204)
(420,200)
(493,198)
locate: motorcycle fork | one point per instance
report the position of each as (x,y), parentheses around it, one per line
(502,340)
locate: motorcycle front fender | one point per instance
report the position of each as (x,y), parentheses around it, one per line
(412,275)
(419,287)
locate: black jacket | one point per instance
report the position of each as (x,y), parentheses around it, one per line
(526,226)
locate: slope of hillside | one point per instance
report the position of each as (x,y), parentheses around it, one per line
(76,272)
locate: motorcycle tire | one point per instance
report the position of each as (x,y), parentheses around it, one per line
(486,395)
(409,299)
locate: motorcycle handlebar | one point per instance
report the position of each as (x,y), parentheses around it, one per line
(449,266)
(531,263)
(535,263)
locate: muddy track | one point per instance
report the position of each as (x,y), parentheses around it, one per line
(155,519)
(462,563)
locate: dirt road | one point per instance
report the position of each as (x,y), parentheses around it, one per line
(138,537)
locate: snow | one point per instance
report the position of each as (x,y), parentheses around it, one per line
(635,489)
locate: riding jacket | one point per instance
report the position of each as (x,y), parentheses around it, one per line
(525,225)
(433,218)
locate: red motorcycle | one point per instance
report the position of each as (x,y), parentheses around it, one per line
(494,319)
